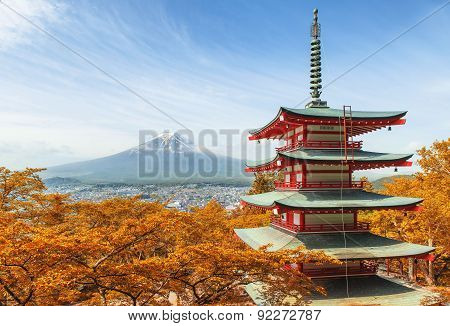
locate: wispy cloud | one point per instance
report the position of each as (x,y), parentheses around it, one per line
(33,153)
(210,66)
(15,30)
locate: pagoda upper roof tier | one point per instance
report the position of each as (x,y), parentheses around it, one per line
(362,121)
(330,156)
(330,199)
(358,245)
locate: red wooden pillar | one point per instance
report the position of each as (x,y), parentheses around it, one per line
(280,210)
(355,219)
(289,218)
(305,133)
(293,177)
(295,137)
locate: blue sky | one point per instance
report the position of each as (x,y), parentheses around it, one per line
(209,64)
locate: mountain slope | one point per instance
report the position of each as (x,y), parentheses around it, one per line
(378,184)
(167,158)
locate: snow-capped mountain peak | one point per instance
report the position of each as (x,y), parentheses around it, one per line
(166,141)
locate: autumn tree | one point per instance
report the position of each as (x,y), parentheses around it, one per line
(211,265)
(24,257)
(264,182)
(431,225)
(127,251)
(248,217)
(367,185)
(19,189)
(107,244)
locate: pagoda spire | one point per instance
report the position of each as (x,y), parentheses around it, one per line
(316,80)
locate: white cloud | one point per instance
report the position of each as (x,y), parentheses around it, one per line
(414,145)
(51,98)
(14,29)
(34,153)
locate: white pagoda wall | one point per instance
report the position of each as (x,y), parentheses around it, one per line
(330,177)
(325,133)
(294,173)
(315,133)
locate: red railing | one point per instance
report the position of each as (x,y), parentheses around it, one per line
(319,144)
(325,227)
(298,185)
(341,270)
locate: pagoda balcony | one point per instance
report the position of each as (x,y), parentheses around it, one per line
(325,227)
(279,185)
(362,269)
(320,144)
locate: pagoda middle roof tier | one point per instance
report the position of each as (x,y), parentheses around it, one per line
(362,121)
(330,156)
(359,245)
(329,199)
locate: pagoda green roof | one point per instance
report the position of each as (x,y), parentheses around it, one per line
(258,237)
(370,290)
(334,114)
(360,245)
(339,113)
(332,155)
(340,245)
(329,199)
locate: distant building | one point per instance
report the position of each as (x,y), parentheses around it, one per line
(174,204)
(230,207)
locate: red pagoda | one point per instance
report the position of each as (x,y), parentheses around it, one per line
(317,203)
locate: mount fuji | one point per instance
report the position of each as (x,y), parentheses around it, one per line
(167,158)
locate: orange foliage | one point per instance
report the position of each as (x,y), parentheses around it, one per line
(431,225)
(127,251)
(264,182)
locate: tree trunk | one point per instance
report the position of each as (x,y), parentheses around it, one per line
(103,296)
(431,266)
(411,270)
(431,271)
(424,269)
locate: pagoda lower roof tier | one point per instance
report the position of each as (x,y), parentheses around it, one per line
(372,290)
(357,158)
(329,199)
(359,245)
(362,121)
